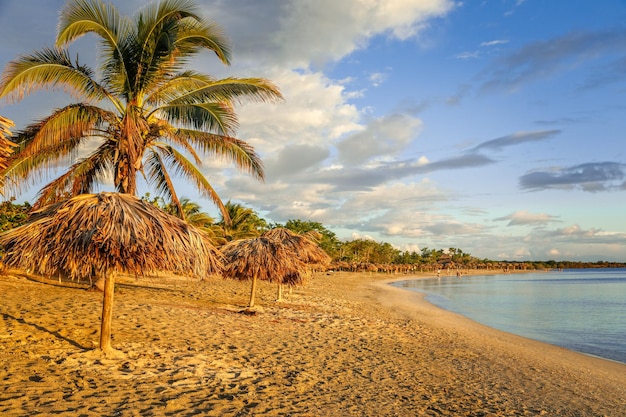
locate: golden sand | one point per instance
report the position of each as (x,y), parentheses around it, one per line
(344,345)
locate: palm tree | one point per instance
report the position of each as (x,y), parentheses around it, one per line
(193,214)
(145,114)
(244,223)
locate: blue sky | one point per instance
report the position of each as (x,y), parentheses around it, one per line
(496,127)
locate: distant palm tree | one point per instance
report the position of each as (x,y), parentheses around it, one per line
(244,223)
(193,214)
(144,115)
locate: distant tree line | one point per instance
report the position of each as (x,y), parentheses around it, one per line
(356,254)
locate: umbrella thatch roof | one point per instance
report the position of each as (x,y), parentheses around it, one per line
(303,246)
(96,234)
(261,258)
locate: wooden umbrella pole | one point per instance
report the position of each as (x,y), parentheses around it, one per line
(107,312)
(252,291)
(279,293)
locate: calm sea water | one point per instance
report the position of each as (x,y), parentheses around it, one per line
(579,309)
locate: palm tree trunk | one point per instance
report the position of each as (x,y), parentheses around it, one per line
(107,313)
(252,291)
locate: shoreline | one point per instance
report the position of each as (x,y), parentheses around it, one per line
(344,344)
(422,302)
(424,295)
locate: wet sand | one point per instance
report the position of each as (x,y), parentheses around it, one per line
(345,344)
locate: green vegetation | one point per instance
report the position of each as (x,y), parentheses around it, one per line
(358,254)
(13,215)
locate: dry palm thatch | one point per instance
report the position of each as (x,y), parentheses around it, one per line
(261,258)
(302,246)
(93,235)
(6,146)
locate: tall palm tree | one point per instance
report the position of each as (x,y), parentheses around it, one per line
(145,114)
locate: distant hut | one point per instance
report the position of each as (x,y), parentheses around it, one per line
(303,246)
(262,258)
(95,235)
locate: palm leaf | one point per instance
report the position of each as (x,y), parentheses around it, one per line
(183,167)
(48,68)
(231,149)
(80,178)
(211,117)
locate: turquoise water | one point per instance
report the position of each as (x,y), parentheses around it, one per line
(580,309)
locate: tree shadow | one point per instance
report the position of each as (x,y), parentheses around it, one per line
(43,329)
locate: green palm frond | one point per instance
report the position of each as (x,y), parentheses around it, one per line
(80,17)
(191,87)
(46,145)
(192,32)
(234,150)
(183,167)
(172,137)
(232,90)
(170,88)
(48,68)
(194,36)
(79,178)
(212,117)
(159,176)
(66,127)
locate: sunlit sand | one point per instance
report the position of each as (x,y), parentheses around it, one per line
(344,344)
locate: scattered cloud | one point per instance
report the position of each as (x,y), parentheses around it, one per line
(377,78)
(525,218)
(385,136)
(546,58)
(591,177)
(494,42)
(305,34)
(516,139)
(468,55)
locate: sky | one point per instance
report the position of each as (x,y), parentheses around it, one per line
(496,127)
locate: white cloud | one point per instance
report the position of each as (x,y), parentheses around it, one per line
(386,136)
(524,217)
(314,111)
(494,42)
(377,78)
(298,34)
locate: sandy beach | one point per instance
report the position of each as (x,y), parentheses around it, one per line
(346,344)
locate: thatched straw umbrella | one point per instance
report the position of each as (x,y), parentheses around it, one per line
(303,246)
(261,258)
(95,235)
